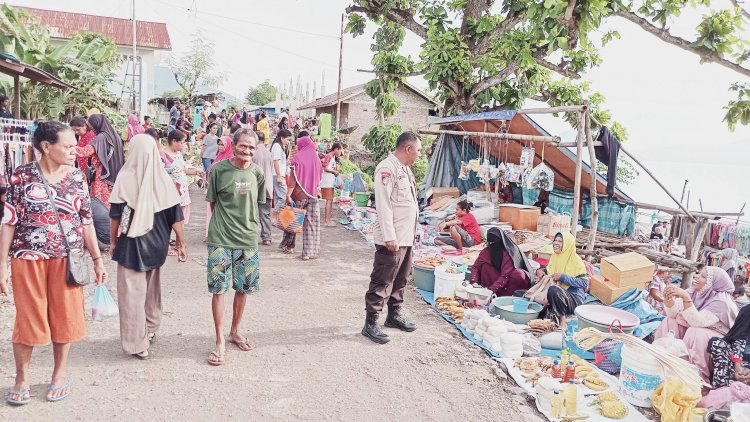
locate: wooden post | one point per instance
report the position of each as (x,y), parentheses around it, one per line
(16,97)
(341,63)
(577,183)
(693,243)
(741,209)
(593,190)
(684,186)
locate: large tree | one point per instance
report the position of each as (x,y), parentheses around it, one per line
(196,66)
(485,53)
(262,94)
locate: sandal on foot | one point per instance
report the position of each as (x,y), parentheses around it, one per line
(24,396)
(53,389)
(141,355)
(152,338)
(243,345)
(216,358)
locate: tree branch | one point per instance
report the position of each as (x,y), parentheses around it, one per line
(402,17)
(510,21)
(682,43)
(559,68)
(495,79)
(745,13)
(394,75)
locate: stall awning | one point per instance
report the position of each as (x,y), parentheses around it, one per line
(16,68)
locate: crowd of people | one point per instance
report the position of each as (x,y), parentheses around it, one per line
(97,190)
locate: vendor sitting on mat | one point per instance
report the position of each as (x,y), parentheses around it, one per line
(501,266)
(570,276)
(464,229)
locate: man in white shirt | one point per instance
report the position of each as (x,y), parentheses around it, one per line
(279,169)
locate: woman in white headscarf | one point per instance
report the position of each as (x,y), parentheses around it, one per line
(728,262)
(145,208)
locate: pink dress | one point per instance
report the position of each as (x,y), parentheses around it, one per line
(695,328)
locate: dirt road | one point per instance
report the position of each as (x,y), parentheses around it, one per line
(311,362)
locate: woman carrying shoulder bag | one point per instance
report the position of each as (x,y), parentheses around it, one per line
(49,304)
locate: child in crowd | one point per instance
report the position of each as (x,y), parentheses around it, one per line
(740,296)
(464,229)
(656,289)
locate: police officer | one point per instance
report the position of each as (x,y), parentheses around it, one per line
(396,204)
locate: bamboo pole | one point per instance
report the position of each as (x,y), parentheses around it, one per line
(552,110)
(682,207)
(674,211)
(593,192)
(511,136)
(341,64)
(741,209)
(577,182)
(16,97)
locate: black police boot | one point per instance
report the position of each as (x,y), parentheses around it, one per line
(372,331)
(396,320)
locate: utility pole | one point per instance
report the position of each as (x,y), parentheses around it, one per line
(136,107)
(341,60)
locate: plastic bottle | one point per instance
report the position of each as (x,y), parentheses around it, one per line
(557,404)
(571,398)
(570,372)
(556,369)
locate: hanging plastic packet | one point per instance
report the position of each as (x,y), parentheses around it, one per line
(527,157)
(541,177)
(474,165)
(515,173)
(501,174)
(463,173)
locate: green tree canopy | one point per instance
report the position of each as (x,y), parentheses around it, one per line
(497,54)
(262,94)
(196,66)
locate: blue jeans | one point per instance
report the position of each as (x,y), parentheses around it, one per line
(279,195)
(206,165)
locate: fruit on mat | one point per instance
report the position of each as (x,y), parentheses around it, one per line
(614,409)
(608,396)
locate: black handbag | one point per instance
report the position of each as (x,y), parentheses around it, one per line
(78,266)
(89,172)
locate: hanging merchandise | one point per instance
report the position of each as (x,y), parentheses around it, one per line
(541,176)
(527,157)
(463,173)
(514,173)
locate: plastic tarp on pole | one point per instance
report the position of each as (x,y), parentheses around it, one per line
(445,164)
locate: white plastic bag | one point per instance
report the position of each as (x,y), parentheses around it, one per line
(531,345)
(541,177)
(671,345)
(103,305)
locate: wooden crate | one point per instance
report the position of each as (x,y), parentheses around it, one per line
(520,217)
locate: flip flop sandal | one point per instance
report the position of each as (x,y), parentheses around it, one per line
(140,356)
(219,359)
(172,252)
(24,396)
(243,345)
(152,338)
(53,389)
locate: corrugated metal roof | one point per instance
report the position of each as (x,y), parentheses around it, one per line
(346,93)
(65,24)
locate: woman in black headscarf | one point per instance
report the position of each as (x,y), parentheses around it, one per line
(501,266)
(730,355)
(108,146)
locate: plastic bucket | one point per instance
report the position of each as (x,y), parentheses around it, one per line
(520,305)
(640,375)
(424,278)
(445,283)
(362,198)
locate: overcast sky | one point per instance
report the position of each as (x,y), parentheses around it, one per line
(670,104)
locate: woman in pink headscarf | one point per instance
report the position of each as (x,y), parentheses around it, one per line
(225,152)
(134,126)
(306,172)
(699,313)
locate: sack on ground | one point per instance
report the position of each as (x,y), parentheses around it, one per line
(103,305)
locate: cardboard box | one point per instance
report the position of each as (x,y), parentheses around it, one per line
(627,270)
(605,291)
(520,217)
(550,225)
(452,192)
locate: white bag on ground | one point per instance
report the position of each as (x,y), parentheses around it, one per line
(672,345)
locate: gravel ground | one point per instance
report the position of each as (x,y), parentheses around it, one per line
(311,362)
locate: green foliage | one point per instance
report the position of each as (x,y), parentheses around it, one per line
(262,94)
(196,66)
(419,168)
(738,111)
(479,54)
(381,140)
(87,62)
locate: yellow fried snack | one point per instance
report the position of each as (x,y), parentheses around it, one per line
(595,383)
(608,396)
(613,409)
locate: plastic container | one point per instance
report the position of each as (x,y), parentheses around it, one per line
(520,305)
(362,198)
(445,282)
(503,307)
(424,278)
(640,375)
(601,317)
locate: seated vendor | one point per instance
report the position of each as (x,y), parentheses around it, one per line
(501,266)
(730,355)
(699,313)
(464,229)
(570,277)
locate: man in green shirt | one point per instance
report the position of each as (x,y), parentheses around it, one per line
(235,188)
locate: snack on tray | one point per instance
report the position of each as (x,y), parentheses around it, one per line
(595,383)
(430,261)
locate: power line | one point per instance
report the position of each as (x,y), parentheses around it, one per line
(250,22)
